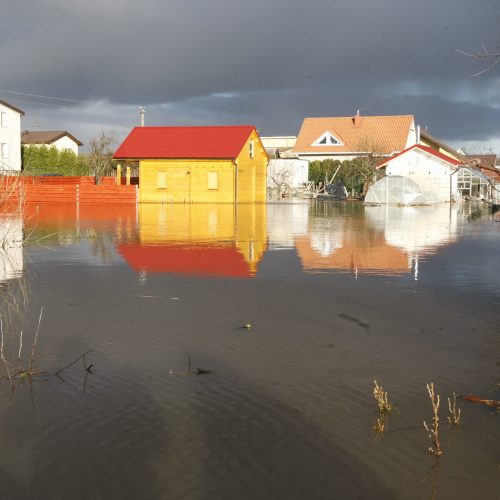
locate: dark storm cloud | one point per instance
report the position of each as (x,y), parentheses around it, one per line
(278,60)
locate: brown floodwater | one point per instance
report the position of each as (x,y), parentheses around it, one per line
(334,295)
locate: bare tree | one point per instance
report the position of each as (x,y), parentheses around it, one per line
(484,53)
(99,158)
(365,167)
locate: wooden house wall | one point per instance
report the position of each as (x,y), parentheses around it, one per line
(186,181)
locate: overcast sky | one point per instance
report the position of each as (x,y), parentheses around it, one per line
(268,63)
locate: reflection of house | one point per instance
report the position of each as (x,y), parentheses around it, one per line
(11,250)
(216,240)
(10,137)
(60,139)
(430,170)
(415,230)
(197,164)
(285,222)
(345,138)
(355,247)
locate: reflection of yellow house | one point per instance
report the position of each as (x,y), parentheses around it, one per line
(197,164)
(213,239)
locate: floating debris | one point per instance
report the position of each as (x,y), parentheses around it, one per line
(488,402)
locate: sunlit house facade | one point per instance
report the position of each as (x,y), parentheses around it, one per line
(216,164)
(10,138)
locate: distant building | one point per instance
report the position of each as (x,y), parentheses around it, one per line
(428,140)
(10,137)
(61,139)
(279,146)
(225,164)
(346,138)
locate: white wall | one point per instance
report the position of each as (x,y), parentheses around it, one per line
(279,141)
(294,172)
(66,143)
(429,172)
(10,135)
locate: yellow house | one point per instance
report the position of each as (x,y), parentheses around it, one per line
(216,164)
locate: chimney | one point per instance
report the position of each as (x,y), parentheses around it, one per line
(142,111)
(357,119)
(418,135)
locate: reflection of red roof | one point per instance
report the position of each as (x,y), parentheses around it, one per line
(186,259)
(427,149)
(184,142)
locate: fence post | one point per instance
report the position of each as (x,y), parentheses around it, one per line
(128,176)
(118,174)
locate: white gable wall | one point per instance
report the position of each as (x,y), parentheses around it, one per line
(428,171)
(412,136)
(10,139)
(65,143)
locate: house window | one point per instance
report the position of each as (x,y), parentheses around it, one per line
(213,180)
(161,180)
(251,148)
(327,139)
(4,150)
(3,119)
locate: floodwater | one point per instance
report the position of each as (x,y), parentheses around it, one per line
(335,294)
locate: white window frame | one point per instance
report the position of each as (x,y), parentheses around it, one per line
(4,151)
(331,140)
(3,119)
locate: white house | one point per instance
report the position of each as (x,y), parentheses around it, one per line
(418,168)
(61,139)
(10,137)
(287,175)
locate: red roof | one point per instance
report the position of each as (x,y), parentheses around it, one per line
(186,259)
(427,149)
(224,142)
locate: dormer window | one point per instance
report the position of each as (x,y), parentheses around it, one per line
(327,139)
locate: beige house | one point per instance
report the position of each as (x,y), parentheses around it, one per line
(279,146)
(61,139)
(346,138)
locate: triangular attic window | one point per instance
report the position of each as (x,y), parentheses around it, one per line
(327,139)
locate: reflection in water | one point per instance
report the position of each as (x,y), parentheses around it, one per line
(11,246)
(286,221)
(216,240)
(383,240)
(415,229)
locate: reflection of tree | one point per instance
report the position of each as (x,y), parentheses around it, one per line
(101,244)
